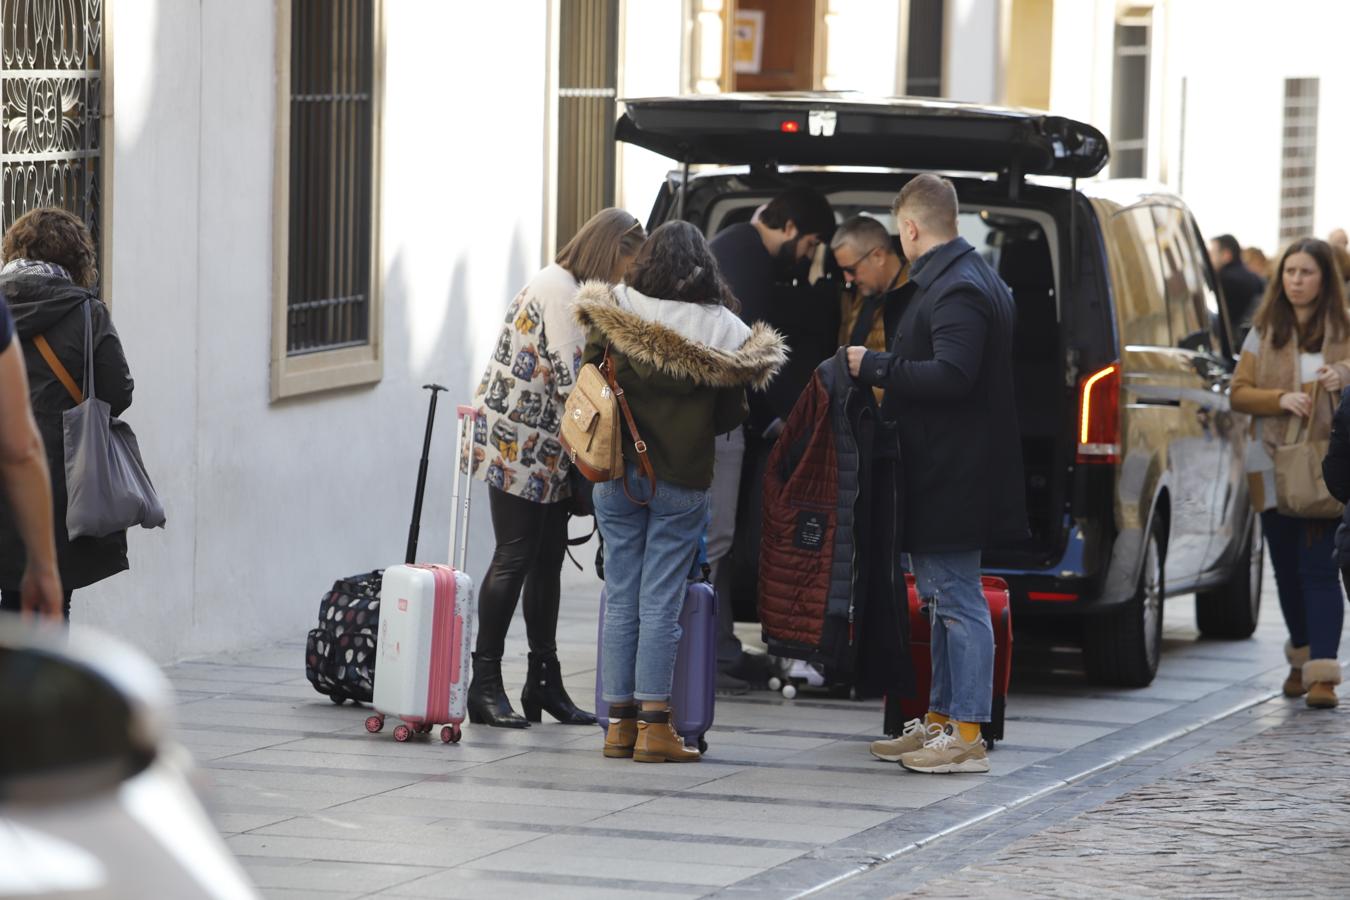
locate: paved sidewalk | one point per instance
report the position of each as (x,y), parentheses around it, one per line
(1267,817)
(786,800)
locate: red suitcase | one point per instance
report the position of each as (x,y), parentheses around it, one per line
(996,592)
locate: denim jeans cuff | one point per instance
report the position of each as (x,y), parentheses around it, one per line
(613,700)
(651,698)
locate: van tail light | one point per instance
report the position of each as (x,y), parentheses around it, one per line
(1099,416)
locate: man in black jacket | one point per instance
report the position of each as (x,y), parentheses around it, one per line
(755,258)
(1242,288)
(949,387)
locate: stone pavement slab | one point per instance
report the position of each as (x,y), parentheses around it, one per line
(786,800)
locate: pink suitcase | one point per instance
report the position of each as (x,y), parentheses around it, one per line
(426,623)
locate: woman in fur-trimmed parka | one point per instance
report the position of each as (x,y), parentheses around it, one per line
(683,360)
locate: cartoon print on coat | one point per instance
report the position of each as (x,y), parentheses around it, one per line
(503,351)
(506,439)
(562,371)
(483,385)
(480,428)
(479,454)
(551,420)
(499,393)
(526,362)
(500,475)
(545,374)
(535,488)
(527,450)
(549,453)
(528,407)
(576,362)
(529,319)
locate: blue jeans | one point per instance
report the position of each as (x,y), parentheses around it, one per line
(1303,553)
(649,551)
(962,643)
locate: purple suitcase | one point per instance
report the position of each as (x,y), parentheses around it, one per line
(695,687)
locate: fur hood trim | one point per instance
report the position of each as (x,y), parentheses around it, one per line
(1327,671)
(753,364)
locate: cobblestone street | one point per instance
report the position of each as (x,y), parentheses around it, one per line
(787,801)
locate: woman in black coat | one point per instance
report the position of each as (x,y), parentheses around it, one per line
(1336,472)
(47,278)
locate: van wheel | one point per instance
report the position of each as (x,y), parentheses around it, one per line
(1123,646)
(1233,609)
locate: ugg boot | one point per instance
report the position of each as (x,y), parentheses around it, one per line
(657,740)
(621,736)
(544,693)
(1297,656)
(487,700)
(1320,677)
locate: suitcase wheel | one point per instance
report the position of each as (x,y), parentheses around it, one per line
(337,699)
(702,745)
(402,733)
(450,734)
(775,683)
(789,691)
(375,724)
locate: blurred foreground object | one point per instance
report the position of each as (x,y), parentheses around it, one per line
(94,798)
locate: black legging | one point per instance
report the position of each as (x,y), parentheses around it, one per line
(531,543)
(9,602)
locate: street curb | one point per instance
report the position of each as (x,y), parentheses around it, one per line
(830,867)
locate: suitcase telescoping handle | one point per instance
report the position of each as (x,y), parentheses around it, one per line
(459,519)
(415,528)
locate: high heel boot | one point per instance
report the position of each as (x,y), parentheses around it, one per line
(544,692)
(487,700)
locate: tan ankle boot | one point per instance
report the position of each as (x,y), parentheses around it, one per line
(622,733)
(1297,656)
(657,740)
(1320,677)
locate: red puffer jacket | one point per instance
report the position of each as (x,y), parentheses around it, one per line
(830,581)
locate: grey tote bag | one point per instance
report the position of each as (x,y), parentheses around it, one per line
(107,487)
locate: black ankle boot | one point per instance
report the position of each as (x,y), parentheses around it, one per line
(544,691)
(487,700)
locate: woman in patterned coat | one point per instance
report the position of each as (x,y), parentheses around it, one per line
(517,451)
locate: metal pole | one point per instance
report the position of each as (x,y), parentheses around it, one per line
(416,525)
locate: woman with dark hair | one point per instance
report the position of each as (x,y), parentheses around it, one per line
(683,360)
(48,277)
(516,450)
(1294,362)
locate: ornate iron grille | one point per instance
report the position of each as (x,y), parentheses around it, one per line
(51,107)
(331,174)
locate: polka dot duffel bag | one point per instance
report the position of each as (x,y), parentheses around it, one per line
(340,653)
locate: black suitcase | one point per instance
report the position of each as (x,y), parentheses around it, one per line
(340,653)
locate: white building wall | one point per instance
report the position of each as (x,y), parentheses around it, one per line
(267,503)
(651,64)
(1225,156)
(971,59)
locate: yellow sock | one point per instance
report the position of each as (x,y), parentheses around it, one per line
(936,719)
(969,731)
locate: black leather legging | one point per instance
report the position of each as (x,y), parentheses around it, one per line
(531,543)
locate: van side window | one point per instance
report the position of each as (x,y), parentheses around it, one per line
(1220,337)
(1183,281)
(1139,289)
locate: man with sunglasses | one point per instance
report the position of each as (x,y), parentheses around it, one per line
(878,276)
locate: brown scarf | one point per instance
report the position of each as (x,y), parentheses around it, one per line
(1278,368)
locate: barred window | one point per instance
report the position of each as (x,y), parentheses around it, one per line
(588,72)
(1298,158)
(51,107)
(1130,96)
(327,323)
(923,57)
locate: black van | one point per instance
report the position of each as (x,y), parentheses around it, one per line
(1133,456)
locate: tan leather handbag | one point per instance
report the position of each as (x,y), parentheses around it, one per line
(1300,490)
(590,430)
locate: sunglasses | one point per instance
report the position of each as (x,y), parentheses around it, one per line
(852,271)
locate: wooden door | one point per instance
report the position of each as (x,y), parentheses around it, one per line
(786,43)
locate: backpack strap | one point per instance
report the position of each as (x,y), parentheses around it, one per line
(58,370)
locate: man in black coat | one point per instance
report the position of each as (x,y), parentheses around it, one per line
(949,387)
(1242,288)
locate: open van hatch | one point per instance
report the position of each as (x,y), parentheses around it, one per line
(842,129)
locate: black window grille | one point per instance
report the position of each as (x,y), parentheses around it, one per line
(1298,158)
(51,108)
(588,72)
(923,53)
(328,300)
